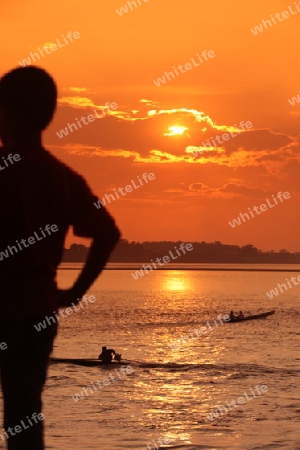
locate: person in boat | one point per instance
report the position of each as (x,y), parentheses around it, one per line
(232,316)
(241,315)
(107,355)
(118,357)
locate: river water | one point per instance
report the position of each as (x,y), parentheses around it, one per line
(168,393)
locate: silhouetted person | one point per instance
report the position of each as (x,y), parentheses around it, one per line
(241,315)
(106,355)
(232,316)
(40,199)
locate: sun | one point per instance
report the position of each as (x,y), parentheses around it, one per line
(176,130)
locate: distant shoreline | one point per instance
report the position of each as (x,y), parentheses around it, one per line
(204,254)
(214,269)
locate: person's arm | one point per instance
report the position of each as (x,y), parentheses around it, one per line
(98,256)
(90,222)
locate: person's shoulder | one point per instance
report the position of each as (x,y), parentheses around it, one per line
(71,173)
(57,162)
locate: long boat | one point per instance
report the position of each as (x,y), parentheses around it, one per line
(255,316)
(85,362)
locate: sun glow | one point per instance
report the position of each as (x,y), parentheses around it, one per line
(176,130)
(177,281)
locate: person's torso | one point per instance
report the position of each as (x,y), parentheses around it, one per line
(34,200)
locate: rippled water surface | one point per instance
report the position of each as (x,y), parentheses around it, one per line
(176,380)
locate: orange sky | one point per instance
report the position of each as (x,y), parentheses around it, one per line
(117,58)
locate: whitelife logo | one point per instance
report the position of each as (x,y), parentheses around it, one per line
(294,100)
(9,160)
(90,118)
(160,442)
(166,259)
(124,9)
(68,311)
(89,390)
(243,126)
(263,207)
(12,431)
(110,197)
(274,292)
(30,241)
(49,48)
(198,332)
(187,66)
(221,410)
(270,23)
(3,346)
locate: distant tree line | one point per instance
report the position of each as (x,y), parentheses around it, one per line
(203,252)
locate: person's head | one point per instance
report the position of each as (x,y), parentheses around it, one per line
(28,98)
(241,312)
(104,348)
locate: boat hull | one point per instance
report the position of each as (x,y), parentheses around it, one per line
(85,362)
(253,317)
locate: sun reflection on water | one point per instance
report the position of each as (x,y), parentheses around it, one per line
(176,280)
